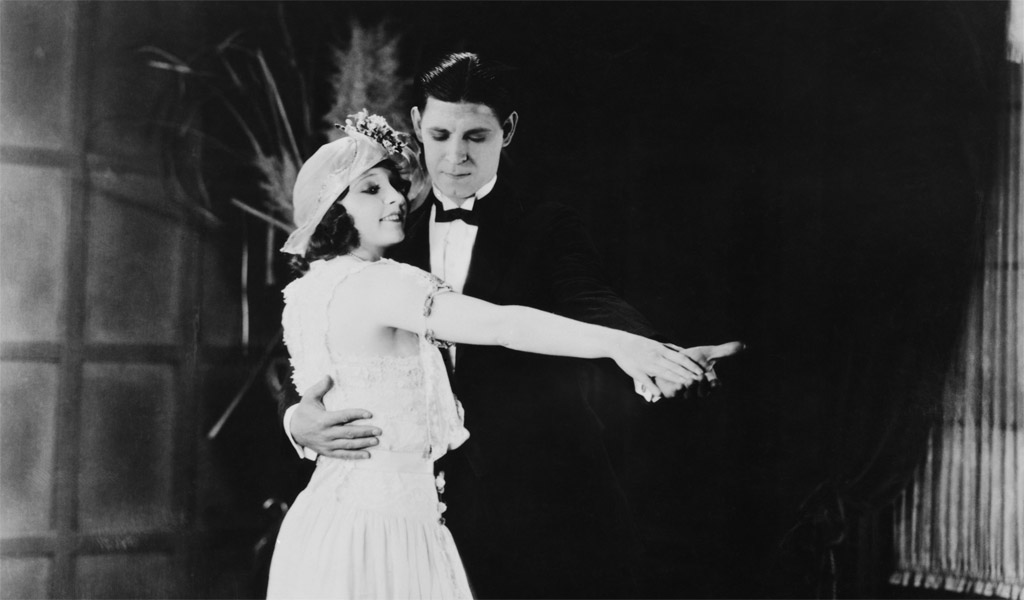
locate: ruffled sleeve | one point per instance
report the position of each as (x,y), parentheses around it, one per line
(432,287)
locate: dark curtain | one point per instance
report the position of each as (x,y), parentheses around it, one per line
(911,96)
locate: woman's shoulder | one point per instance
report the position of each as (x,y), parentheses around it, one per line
(384,276)
(323,274)
(384,286)
(388,270)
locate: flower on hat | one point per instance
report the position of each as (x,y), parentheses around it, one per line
(377,129)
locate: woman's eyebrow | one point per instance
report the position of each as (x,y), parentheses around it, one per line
(365,177)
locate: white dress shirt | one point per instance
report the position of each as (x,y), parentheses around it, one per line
(451,243)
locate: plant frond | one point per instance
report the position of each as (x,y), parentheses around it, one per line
(282,114)
(262,216)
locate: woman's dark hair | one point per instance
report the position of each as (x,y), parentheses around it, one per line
(466,77)
(336,233)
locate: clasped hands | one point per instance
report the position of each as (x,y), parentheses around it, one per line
(709,355)
(336,433)
(693,371)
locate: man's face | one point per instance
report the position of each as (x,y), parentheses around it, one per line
(462,144)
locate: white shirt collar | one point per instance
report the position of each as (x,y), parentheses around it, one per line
(448,204)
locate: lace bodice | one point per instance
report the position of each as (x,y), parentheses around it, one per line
(409,396)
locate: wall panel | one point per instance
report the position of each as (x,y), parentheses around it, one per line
(147,575)
(28,412)
(133,281)
(129,91)
(36,62)
(25,577)
(126,460)
(32,239)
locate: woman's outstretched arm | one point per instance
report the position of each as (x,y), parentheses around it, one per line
(397,300)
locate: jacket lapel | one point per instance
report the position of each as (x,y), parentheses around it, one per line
(495,243)
(493,249)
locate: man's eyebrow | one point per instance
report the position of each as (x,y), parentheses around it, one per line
(474,131)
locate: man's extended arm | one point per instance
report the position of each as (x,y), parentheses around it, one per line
(573,266)
(582,292)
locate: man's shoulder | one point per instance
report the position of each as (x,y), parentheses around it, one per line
(532,204)
(551,215)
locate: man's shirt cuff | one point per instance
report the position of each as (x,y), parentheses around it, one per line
(302,451)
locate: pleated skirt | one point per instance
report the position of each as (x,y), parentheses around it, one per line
(367,529)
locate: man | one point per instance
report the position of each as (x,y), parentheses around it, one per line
(534,505)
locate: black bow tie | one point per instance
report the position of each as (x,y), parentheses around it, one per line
(446,216)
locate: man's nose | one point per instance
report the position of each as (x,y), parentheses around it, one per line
(458,151)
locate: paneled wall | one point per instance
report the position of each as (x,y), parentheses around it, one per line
(100,421)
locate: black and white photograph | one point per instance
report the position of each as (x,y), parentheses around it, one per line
(449,300)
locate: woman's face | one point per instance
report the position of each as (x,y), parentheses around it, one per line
(377,208)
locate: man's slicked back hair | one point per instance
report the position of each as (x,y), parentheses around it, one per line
(466,77)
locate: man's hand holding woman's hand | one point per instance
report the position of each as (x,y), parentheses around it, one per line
(688,366)
(645,359)
(330,432)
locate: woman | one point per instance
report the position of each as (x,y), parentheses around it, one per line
(373,528)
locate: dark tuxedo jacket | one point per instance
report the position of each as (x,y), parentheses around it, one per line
(534,504)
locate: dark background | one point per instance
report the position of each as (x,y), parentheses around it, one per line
(803,176)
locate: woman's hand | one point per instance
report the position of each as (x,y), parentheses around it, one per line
(644,359)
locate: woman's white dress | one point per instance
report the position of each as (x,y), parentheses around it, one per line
(370,528)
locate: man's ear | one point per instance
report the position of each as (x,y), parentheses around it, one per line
(417,119)
(508,128)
